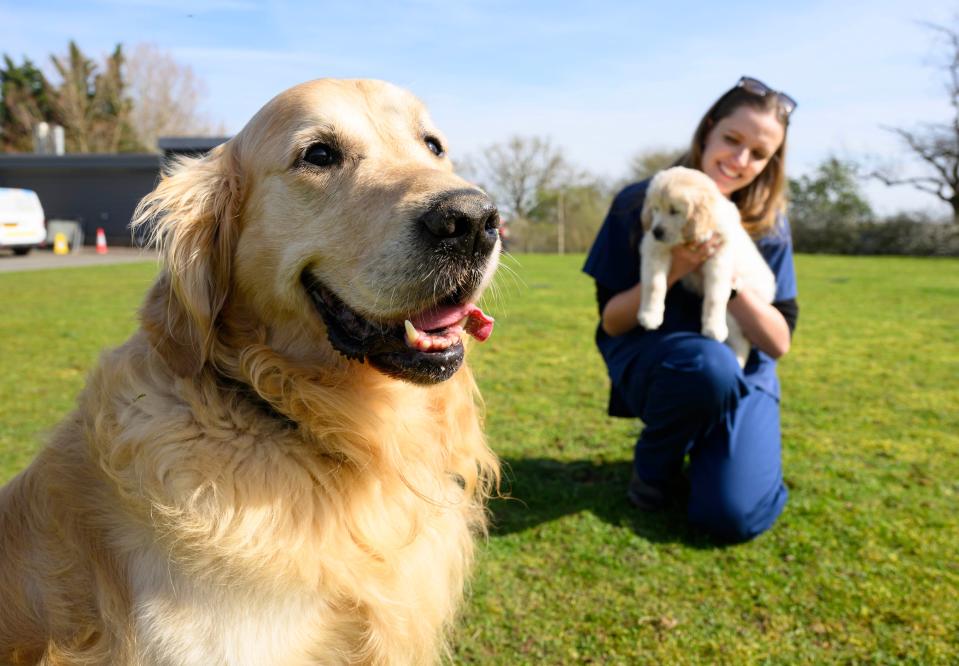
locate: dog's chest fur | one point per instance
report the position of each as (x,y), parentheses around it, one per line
(261,547)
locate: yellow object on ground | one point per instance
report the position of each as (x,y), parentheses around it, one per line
(60,245)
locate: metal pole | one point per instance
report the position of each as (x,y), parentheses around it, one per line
(561,222)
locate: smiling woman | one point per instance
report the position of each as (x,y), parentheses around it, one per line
(740,147)
(689,390)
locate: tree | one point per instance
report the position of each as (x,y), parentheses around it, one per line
(26,99)
(827,208)
(120,106)
(165,96)
(93,106)
(646,163)
(516,172)
(936,144)
(567,219)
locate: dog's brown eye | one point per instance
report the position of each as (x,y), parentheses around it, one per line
(434,145)
(673,211)
(322,155)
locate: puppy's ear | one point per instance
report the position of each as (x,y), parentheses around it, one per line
(646,216)
(192,219)
(652,195)
(701,221)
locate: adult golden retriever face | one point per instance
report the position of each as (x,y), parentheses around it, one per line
(678,206)
(341,220)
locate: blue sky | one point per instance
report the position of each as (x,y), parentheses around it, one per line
(603,80)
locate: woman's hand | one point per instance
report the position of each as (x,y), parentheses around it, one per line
(689,258)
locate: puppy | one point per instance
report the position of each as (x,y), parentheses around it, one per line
(685,206)
(284,464)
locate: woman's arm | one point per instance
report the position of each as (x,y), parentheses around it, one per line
(619,315)
(763,325)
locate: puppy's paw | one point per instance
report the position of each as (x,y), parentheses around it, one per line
(716,330)
(650,319)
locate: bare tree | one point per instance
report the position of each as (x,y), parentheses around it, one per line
(936,144)
(516,172)
(166,96)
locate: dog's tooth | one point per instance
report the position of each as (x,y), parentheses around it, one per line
(412,335)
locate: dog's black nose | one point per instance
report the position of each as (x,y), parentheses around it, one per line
(658,233)
(463,221)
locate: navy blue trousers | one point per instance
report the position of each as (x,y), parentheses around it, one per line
(694,400)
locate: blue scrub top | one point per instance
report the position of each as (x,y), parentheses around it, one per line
(613,262)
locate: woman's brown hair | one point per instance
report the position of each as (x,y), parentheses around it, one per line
(762,200)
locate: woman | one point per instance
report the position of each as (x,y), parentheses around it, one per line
(689,390)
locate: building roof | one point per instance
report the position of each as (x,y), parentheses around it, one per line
(180,144)
(81,161)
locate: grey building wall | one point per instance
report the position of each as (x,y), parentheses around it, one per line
(96,190)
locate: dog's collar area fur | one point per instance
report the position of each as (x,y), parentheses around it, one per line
(358,339)
(249,394)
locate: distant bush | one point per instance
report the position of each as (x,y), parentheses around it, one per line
(903,234)
(829,215)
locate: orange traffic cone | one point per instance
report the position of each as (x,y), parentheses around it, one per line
(101,241)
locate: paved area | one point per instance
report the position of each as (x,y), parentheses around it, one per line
(87,256)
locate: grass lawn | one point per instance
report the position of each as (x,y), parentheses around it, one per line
(863,567)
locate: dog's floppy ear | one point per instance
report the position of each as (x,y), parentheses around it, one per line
(652,192)
(701,222)
(646,216)
(192,219)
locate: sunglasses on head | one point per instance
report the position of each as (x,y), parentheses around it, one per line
(760,89)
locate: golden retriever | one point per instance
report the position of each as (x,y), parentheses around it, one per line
(684,206)
(284,464)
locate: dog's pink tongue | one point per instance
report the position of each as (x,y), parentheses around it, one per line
(478,323)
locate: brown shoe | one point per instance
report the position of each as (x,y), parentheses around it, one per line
(647,497)
(644,496)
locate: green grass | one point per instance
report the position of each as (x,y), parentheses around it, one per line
(54,325)
(862,568)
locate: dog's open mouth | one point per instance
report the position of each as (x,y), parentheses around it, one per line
(426,348)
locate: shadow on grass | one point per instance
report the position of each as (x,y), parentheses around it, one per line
(540,490)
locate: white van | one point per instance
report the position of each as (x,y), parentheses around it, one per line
(22,225)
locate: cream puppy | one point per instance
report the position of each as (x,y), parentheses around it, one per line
(685,206)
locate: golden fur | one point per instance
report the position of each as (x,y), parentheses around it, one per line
(230,489)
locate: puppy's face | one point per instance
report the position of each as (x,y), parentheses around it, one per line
(348,222)
(677,209)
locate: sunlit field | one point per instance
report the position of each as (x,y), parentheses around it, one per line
(863,567)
